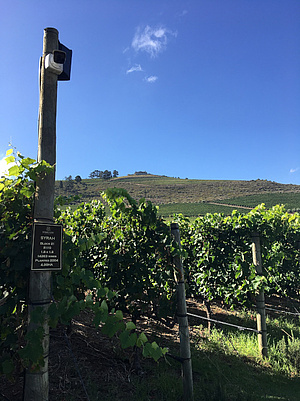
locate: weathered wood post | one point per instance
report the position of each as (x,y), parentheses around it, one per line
(36,380)
(260,298)
(185,351)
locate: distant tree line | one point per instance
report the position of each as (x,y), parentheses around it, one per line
(105,175)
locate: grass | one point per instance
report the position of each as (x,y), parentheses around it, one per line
(195,209)
(283,362)
(290,200)
(234,367)
(227,366)
(223,375)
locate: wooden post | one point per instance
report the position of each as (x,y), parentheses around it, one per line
(185,352)
(36,380)
(260,298)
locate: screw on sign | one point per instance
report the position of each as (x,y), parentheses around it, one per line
(46,247)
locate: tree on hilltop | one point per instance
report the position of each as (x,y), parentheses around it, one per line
(96,174)
(106,175)
(78,179)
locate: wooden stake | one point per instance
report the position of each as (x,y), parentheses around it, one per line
(185,352)
(260,298)
(36,386)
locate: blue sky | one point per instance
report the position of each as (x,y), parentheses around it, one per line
(206,89)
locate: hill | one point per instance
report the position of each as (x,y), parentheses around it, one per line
(167,192)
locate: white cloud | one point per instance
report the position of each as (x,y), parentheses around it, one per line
(135,68)
(293,170)
(151,79)
(151,40)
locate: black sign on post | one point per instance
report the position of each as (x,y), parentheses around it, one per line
(46,247)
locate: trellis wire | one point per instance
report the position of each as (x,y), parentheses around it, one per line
(241,328)
(283,311)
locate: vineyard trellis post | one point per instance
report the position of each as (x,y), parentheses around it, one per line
(185,351)
(39,295)
(260,298)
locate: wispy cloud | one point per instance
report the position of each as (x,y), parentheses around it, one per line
(183,13)
(293,170)
(135,68)
(151,79)
(151,40)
